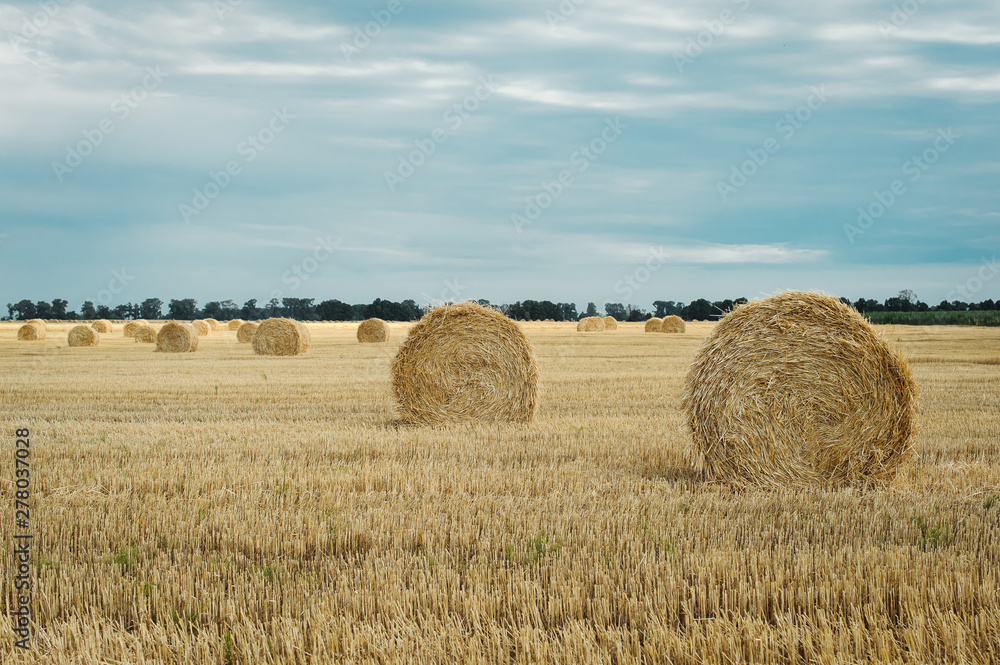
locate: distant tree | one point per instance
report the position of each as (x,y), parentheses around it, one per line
(25,310)
(300,309)
(569,312)
(416,311)
(390,311)
(43,310)
(359,312)
(722,307)
(104,312)
(229,309)
(635,314)
(59,308)
(742,301)
(87,311)
(183,310)
(334,310)
(249,310)
(699,310)
(122,311)
(617,310)
(907,295)
(273,308)
(10,310)
(212,310)
(664,308)
(151,308)
(591,310)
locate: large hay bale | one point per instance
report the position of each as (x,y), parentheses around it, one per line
(590,324)
(212,323)
(145,334)
(672,324)
(610,323)
(102,325)
(129,329)
(306,336)
(280,337)
(201,327)
(373,330)
(653,324)
(38,322)
(30,332)
(799,389)
(83,336)
(235,324)
(245,332)
(176,337)
(465,363)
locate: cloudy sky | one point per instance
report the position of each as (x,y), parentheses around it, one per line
(596,150)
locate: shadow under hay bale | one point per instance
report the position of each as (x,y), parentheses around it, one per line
(798,389)
(673,324)
(280,337)
(176,337)
(373,331)
(590,324)
(83,336)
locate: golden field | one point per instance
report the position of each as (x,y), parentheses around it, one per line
(219,507)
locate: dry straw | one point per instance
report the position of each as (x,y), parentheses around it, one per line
(610,323)
(201,327)
(465,363)
(280,337)
(31,332)
(175,337)
(306,336)
(132,326)
(373,330)
(653,324)
(672,324)
(235,324)
(213,324)
(245,332)
(799,389)
(102,325)
(145,334)
(83,336)
(590,324)
(37,321)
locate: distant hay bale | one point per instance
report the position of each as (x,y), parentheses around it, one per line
(31,332)
(39,322)
(245,332)
(102,326)
(132,326)
(672,324)
(145,334)
(212,323)
(373,330)
(280,337)
(653,324)
(235,324)
(201,327)
(610,323)
(83,336)
(590,324)
(465,363)
(799,389)
(176,337)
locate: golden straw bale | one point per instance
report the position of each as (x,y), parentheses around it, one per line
(373,330)
(653,324)
(673,324)
(102,325)
(177,337)
(235,324)
(245,332)
(31,332)
(306,336)
(213,324)
(83,336)
(590,324)
(799,389)
(201,327)
(280,337)
(132,326)
(39,322)
(465,363)
(145,334)
(610,323)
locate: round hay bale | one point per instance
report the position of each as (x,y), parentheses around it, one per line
(799,389)
(610,323)
(280,337)
(306,336)
(102,325)
(83,336)
(373,330)
(590,324)
(212,323)
(39,322)
(129,329)
(245,332)
(30,332)
(465,363)
(235,324)
(145,334)
(672,324)
(177,337)
(653,324)
(201,327)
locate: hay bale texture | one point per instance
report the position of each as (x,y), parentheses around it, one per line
(590,324)
(280,337)
(201,327)
(653,324)
(145,334)
(672,324)
(373,331)
(102,325)
(235,324)
(176,337)
(31,332)
(798,389)
(245,332)
(38,322)
(83,336)
(465,363)
(213,324)
(129,329)
(610,323)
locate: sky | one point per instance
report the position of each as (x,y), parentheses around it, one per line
(575,151)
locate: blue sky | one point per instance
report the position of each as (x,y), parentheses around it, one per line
(596,150)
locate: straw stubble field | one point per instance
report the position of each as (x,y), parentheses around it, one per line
(222,507)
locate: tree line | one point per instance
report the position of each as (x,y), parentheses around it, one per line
(307,309)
